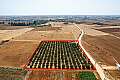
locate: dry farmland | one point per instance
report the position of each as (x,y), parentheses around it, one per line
(16,53)
(9,34)
(37,48)
(102,48)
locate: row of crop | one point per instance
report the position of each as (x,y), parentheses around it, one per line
(60,54)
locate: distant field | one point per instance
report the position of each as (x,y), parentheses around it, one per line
(9,34)
(114,31)
(7,27)
(46,28)
(56,32)
(43,35)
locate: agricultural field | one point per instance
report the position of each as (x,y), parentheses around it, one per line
(62,75)
(49,35)
(115,74)
(7,73)
(16,53)
(56,32)
(99,42)
(114,31)
(102,47)
(9,34)
(47,28)
(87,76)
(40,47)
(8,27)
(59,55)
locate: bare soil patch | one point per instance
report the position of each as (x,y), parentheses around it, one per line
(115,74)
(109,30)
(103,48)
(9,34)
(15,53)
(46,28)
(45,35)
(114,31)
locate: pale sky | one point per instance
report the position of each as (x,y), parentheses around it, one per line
(59,7)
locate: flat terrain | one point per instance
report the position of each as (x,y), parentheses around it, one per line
(115,74)
(59,55)
(59,75)
(45,35)
(113,31)
(56,32)
(89,30)
(23,43)
(103,48)
(9,34)
(8,27)
(47,28)
(101,43)
(16,53)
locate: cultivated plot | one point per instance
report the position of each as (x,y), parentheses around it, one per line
(59,55)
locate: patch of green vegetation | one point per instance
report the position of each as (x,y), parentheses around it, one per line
(87,76)
(18,79)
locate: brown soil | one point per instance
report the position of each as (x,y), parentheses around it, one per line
(116,34)
(46,28)
(56,32)
(37,35)
(102,48)
(115,74)
(109,30)
(114,31)
(15,53)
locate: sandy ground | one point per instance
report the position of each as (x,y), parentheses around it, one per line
(16,53)
(42,35)
(8,34)
(56,32)
(88,29)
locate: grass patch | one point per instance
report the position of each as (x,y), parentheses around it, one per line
(87,76)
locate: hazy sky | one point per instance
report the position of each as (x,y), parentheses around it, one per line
(59,7)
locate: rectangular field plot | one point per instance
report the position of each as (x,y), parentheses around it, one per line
(59,55)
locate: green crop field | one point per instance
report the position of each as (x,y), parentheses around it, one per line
(59,55)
